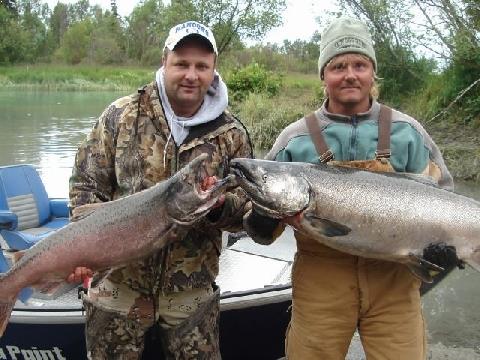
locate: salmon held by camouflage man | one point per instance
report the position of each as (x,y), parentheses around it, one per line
(113,234)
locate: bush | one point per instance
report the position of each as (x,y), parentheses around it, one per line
(76,42)
(105,51)
(152,57)
(266,117)
(252,79)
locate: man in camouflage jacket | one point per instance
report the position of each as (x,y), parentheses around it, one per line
(138,141)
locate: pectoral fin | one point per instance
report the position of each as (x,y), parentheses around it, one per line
(327,227)
(423,269)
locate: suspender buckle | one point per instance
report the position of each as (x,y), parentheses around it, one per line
(326,156)
(382,154)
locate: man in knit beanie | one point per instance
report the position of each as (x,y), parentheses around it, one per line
(345,36)
(334,293)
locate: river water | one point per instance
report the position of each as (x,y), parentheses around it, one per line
(44,129)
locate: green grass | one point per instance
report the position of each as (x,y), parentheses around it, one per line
(84,77)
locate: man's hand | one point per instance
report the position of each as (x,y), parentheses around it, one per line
(443,255)
(80,274)
(208,183)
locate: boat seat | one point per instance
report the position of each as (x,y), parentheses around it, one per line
(27,214)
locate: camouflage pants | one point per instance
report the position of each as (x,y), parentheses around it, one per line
(112,335)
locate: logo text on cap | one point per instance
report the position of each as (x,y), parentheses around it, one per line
(192,26)
(349,42)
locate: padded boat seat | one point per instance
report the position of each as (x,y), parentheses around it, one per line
(26,213)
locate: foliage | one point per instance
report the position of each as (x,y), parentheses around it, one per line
(242,19)
(13,44)
(145,29)
(9,5)
(58,24)
(231,22)
(76,42)
(253,78)
(107,41)
(266,116)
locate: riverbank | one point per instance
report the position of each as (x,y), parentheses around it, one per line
(74,78)
(460,146)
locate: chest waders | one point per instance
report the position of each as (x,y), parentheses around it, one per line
(334,293)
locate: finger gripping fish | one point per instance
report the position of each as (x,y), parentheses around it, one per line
(114,234)
(376,215)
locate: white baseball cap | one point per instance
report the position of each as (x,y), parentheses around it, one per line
(178,32)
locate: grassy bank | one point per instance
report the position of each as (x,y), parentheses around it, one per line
(75,78)
(264,115)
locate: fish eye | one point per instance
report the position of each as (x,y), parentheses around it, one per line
(264,178)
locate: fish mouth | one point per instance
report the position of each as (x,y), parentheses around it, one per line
(251,183)
(206,199)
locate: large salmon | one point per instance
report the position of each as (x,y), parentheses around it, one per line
(385,216)
(114,234)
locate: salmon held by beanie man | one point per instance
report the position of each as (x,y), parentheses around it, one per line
(400,217)
(113,234)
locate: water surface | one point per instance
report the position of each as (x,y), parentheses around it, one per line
(44,129)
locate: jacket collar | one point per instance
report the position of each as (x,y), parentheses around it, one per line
(368,115)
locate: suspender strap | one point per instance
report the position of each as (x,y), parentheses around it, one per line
(384,126)
(324,153)
(383,145)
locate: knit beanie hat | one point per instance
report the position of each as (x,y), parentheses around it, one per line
(345,35)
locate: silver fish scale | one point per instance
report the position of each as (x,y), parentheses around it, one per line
(393,215)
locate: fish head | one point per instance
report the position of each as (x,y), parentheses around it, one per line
(186,201)
(275,188)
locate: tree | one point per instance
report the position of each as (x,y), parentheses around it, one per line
(113,7)
(145,30)
(107,40)
(13,40)
(9,5)
(241,19)
(79,11)
(31,14)
(58,25)
(76,42)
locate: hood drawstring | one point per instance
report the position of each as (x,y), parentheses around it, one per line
(140,91)
(165,150)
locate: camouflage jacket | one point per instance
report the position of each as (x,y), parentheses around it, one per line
(129,150)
